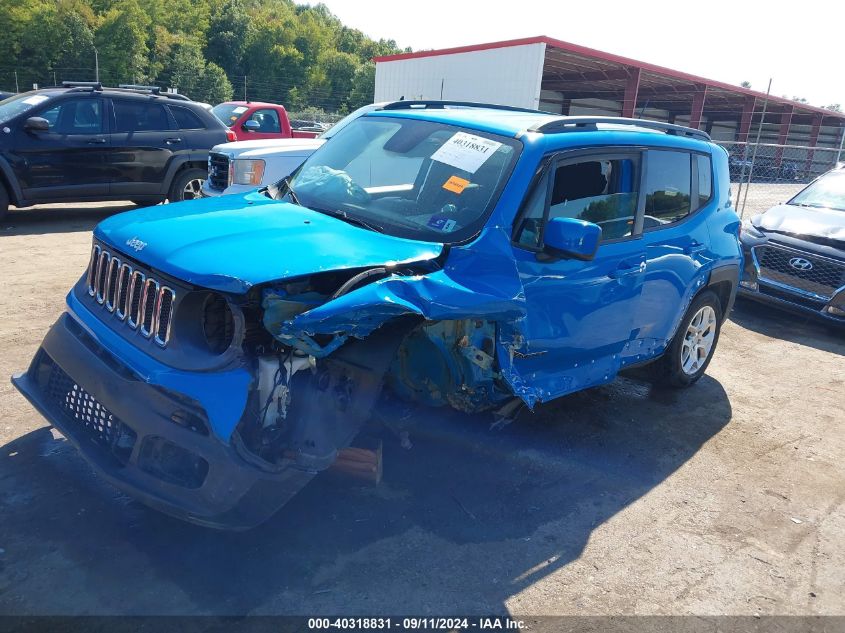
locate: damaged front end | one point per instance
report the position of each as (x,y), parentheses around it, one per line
(333,340)
(314,388)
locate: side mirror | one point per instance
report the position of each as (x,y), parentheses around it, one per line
(569,237)
(37,123)
(252,125)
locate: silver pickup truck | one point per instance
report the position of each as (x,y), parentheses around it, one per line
(245,165)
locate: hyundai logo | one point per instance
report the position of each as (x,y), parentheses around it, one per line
(799,263)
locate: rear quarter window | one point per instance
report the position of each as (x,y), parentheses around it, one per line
(668,187)
(185,119)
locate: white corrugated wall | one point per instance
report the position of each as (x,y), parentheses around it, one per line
(508,76)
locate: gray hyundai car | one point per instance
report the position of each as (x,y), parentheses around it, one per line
(795,252)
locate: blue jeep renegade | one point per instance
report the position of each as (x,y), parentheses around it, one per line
(218,353)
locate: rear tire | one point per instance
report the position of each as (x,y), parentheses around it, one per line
(4,202)
(187,185)
(688,355)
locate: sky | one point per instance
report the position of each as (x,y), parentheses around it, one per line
(798,46)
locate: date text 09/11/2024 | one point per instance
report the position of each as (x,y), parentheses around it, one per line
(418,623)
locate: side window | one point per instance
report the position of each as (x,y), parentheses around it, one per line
(185,119)
(75,116)
(705,180)
(139,116)
(668,184)
(268,121)
(529,231)
(599,190)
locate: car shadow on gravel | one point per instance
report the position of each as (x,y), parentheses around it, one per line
(58,218)
(788,326)
(466,515)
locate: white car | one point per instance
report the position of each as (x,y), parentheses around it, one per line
(247,165)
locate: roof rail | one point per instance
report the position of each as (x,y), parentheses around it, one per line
(153,89)
(581,123)
(88,85)
(442,105)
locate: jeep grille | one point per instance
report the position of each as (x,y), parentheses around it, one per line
(135,299)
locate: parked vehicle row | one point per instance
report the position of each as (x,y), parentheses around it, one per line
(765,169)
(218,353)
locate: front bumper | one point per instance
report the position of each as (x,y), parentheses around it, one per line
(152,443)
(756,284)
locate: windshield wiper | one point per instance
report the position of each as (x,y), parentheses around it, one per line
(351,219)
(275,192)
(291,192)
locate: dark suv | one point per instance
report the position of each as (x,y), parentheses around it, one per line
(86,143)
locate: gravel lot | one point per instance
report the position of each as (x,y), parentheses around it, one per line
(727,498)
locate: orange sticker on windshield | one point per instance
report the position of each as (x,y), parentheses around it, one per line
(455,184)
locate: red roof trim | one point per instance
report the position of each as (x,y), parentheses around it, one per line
(542,39)
(608,57)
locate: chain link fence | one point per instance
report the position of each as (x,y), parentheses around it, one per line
(763,175)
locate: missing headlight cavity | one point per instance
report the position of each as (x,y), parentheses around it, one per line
(218,325)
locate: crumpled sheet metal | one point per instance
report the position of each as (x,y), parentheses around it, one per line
(475,283)
(479,281)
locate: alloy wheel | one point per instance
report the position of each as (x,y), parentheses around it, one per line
(698,341)
(193,189)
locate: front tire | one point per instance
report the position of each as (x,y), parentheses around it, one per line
(187,185)
(688,355)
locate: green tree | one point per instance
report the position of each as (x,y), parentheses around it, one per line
(228,35)
(330,80)
(57,37)
(214,86)
(363,86)
(122,43)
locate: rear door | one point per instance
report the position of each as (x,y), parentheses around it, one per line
(678,193)
(68,161)
(143,142)
(580,313)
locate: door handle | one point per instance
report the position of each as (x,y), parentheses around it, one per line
(96,141)
(172,140)
(694,247)
(626,271)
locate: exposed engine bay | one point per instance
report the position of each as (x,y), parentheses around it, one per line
(314,391)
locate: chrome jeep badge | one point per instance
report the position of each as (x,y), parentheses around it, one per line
(135,243)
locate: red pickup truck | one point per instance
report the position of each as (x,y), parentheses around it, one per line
(254,120)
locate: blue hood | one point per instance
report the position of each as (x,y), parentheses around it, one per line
(232,243)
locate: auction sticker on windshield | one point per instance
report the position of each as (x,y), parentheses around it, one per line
(466,151)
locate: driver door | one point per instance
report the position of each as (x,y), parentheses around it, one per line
(580,320)
(70,159)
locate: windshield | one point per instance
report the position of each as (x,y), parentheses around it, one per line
(827,192)
(417,179)
(337,127)
(18,104)
(228,113)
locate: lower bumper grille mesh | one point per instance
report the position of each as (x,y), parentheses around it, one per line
(85,414)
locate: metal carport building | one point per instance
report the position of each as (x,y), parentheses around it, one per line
(549,74)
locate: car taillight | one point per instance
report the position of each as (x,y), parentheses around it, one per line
(230,136)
